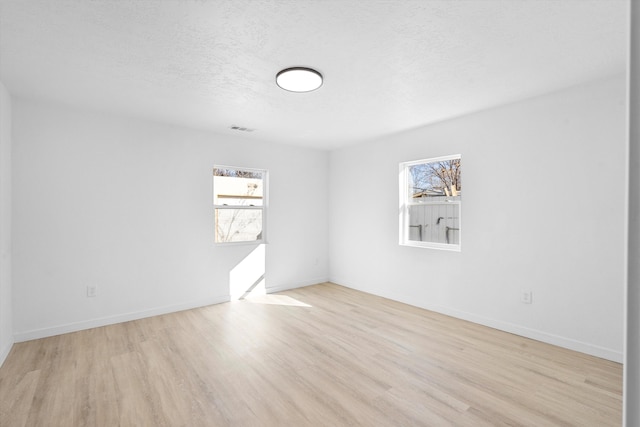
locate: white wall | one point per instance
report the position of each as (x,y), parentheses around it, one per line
(127,205)
(543,210)
(6,311)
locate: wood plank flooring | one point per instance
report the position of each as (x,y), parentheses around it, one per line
(323,355)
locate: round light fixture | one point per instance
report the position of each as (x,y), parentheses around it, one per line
(299,79)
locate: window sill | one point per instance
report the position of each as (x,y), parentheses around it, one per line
(427,245)
(250,242)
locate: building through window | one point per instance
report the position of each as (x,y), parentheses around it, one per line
(430,203)
(240,201)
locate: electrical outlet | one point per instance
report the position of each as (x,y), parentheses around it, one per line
(526,297)
(92,291)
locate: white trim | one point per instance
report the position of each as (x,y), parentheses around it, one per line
(433,245)
(557,340)
(232,207)
(5,352)
(535,334)
(263,207)
(118,318)
(274,289)
(240,243)
(405,203)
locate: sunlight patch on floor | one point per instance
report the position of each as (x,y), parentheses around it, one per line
(276,300)
(248,277)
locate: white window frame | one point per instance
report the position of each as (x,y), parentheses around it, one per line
(263,207)
(406,202)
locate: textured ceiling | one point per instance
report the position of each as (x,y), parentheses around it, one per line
(388,65)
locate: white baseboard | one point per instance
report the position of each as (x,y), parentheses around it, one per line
(274,289)
(560,341)
(126,317)
(110,320)
(4,352)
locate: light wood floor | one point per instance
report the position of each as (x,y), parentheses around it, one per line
(342,358)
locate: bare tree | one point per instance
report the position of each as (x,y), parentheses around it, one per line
(240,218)
(233,221)
(237,173)
(443,176)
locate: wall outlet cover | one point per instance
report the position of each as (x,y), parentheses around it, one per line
(92,291)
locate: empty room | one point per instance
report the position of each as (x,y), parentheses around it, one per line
(319,213)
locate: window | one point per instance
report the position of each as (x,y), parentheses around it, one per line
(239,201)
(430,202)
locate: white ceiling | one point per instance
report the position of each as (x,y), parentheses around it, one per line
(388,65)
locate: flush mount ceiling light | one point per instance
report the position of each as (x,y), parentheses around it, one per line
(299,79)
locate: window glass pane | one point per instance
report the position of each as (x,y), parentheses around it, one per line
(238,225)
(435,181)
(430,199)
(436,223)
(237,187)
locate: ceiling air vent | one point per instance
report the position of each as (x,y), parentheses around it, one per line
(241,128)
